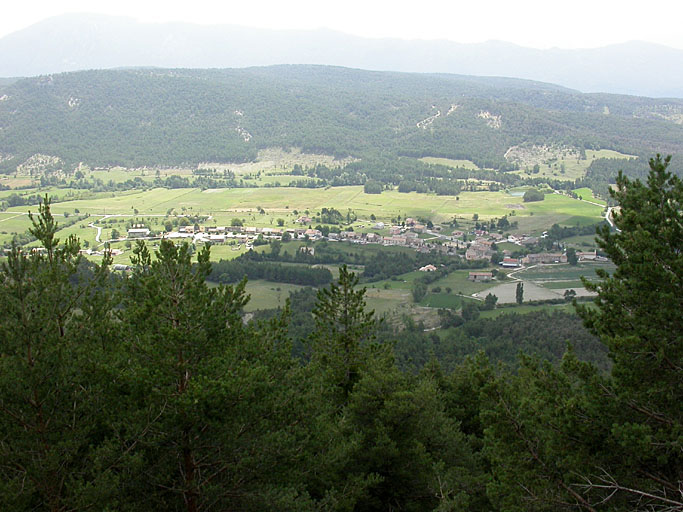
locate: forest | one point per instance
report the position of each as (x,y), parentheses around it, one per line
(153,392)
(146,117)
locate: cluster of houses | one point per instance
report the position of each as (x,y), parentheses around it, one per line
(405,236)
(480,248)
(223,234)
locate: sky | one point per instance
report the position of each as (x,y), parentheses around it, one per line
(531,23)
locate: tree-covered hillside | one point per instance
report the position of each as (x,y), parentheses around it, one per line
(169,117)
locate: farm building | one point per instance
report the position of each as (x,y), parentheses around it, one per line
(587,255)
(480,277)
(545,257)
(510,263)
(138,232)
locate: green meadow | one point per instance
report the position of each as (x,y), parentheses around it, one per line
(268,207)
(450,162)
(280,202)
(570,168)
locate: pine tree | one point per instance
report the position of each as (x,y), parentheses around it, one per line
(343,332)
(217,400)
(638,316)
(574,438)
(58,356)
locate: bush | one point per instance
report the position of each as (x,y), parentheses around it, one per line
(532,195)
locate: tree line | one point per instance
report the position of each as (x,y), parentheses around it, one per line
(233,271)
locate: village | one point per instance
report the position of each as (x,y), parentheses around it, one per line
(473,245)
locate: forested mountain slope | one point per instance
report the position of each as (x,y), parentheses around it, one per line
(168,117)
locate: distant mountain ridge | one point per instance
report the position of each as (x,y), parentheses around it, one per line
(87,41)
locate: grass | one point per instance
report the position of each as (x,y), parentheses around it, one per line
(224,205)
(570,168)
(526,308)
(267,295)
(444,300)
(581,242)
(561,285)
(459,284)
(449,162)
(507,246)
(587,195)
(563,272)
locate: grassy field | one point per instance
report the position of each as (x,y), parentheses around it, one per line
(267,295)
(526,308)
(282,201)
(570,168)
(506,292)
(586,194)
(581,242)
(459,284)
(221,206)
(445,300)
(449,162)
(543,273)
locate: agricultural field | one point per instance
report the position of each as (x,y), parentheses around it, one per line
(449,162)
(220,206)
(506,292)
(546,282)
(581,242)
(586,194)
(527,308)
(267,295)
(277,202)
(562,166)
(562,272)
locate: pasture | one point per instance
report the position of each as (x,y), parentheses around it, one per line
(586,194)
(268,207)
(527,308)
(450,162)
(569,168)
(562,272)
(267,295)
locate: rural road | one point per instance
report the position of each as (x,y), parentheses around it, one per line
(608,218)
(99,231)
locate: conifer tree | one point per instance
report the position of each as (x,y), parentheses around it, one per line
(519,292)
(57,364)
(638,316)
(343,332)
(574,438)
(217,404)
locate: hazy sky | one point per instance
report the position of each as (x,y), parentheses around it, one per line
(535,23)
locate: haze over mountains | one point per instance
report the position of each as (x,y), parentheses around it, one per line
(87,41)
